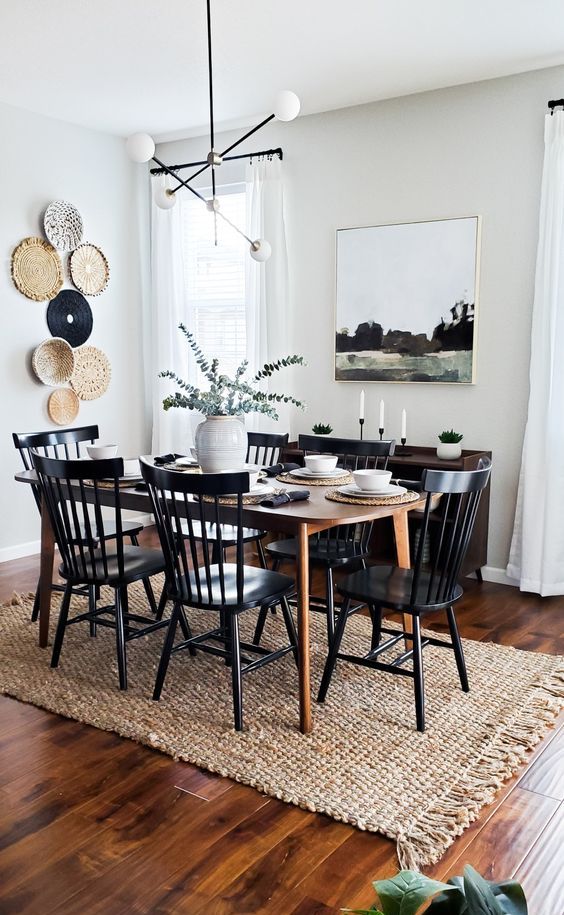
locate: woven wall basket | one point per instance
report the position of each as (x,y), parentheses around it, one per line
(92,372)
(53,361)
(63,406)
(63,225)
(36,269)
(89,269)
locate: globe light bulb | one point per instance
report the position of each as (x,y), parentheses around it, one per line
(260,250)
(140,147)
(286,105)
(164,197)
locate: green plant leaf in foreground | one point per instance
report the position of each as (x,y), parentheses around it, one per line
(405,893)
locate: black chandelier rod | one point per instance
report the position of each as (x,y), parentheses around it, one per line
(556,103)
(176,168)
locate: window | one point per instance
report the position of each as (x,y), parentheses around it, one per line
(215,276)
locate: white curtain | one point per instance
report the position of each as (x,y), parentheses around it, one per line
(537,550)
(267,284)
(173,431)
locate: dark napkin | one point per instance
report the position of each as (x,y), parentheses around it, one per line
(166,459)
(282,498)
(277,469)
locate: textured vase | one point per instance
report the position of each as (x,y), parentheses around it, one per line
(221,444)
(449,451)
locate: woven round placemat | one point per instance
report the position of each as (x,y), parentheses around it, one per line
(345,478)
(53,361)
(89,269)
(63,406)
(92,372)
(185,469)
(36,269)
(63,225)
(374,500)
(248,499)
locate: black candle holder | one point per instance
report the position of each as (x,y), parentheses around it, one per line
(361,424)
(403,451)
(381,431)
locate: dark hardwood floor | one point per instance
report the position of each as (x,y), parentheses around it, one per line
(92,823)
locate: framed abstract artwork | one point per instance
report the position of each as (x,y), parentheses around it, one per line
(406,306)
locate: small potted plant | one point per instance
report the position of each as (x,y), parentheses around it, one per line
(322,429)
(449,448)
(221,439)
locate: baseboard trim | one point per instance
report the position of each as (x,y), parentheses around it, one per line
(33,547)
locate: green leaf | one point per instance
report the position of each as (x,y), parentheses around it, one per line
(511,897)
(372,911)
(479,894)
(405,893)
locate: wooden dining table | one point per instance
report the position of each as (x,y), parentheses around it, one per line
(298,519)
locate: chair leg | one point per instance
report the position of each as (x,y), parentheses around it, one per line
(163,600)
(261,555)
(290,626)
(259,628)
(330,598)
(91,609)
(418,680)
(167,649)
(333,650)
(276,563)
(61,626)
(458,650)
(376,615)
(146,581)
(236,678)
(36,601)
(121,608)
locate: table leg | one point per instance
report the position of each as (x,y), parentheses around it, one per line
(45,575)
(303,629)
(401,531)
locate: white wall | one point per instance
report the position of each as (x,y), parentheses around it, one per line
(473,149)
(43,160)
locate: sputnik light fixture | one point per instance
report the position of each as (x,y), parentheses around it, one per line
(141,148)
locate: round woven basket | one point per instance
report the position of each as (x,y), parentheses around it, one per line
(63,225)
(63,406)
(53,361)
(92,372)
(36,269)
(89,269)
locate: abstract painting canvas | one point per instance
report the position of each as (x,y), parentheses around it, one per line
(407,302)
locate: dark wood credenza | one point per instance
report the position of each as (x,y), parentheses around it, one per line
(411,467)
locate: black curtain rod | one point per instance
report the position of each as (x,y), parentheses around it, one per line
(263,152)
(556,103)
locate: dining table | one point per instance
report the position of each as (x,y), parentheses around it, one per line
(299,519)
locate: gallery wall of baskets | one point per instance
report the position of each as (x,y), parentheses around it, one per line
(74,369)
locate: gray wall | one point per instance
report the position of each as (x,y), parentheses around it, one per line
(474,149)
(44,159)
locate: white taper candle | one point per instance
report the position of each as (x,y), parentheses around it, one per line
(361,408)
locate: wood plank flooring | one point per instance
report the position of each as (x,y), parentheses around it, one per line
(92,823)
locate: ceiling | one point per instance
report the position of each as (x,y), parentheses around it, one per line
(127,65)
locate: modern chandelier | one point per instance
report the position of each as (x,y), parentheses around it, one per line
(141,148)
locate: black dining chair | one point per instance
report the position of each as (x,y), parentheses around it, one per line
(264,450)
(70,489)
(339,547)
(199,577)
(425,588)
(65,444)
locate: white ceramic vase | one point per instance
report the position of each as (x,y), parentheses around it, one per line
(221,444)
(449,451)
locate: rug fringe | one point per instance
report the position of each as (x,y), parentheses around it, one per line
(425,840)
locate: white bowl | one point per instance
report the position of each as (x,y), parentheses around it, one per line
(99,452)
(131,467)
(320,463)
(253,470)
(375,480)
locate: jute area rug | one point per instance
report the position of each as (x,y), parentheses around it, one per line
(363,764)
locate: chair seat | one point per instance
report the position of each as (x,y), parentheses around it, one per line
(228,533)
(328,552)
(138,562)
(262,588)
(389,586)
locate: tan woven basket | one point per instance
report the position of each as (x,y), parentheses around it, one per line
(92,372)
(36,269)
(63,406)
(89,269)
(53,361)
